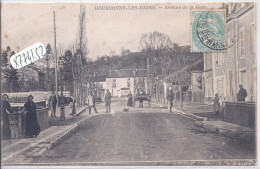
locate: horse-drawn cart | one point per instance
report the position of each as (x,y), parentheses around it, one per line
(141,98)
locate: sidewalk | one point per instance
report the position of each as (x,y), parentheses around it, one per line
(20,150)
(228,129)
(189,109)
(205,118)
(55,121)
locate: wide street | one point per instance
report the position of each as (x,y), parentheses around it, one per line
(148,134)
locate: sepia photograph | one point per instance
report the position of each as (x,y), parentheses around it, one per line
(128,84)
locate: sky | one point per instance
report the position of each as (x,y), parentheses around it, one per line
(24,24)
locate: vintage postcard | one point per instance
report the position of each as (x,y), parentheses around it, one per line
(128,84)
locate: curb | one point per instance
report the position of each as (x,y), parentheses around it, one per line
(80,112)
(183,113)
(60,137)
(38,148)
(49,145)
(247,136)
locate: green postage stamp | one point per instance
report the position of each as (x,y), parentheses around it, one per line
(208,32)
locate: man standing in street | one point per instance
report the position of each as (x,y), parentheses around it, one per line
(53,104)
(242,94)
(170,100)
(91,103)
(108,101)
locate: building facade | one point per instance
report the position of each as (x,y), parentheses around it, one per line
(224,71)
(120,82)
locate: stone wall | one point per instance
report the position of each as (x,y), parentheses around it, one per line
(17,122)
(242,113)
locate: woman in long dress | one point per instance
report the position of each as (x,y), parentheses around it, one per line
(73,105)
(6,109)
(32,128)
(130,100)
(216,106)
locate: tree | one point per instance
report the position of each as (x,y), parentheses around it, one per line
(125,52)
(157,47)
(48,58)
(11,74)
(82,38)
(80,57)
(67,71)
(33,84)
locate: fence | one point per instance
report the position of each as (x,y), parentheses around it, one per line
(17,122)
(242,113)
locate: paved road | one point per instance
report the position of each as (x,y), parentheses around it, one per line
(149,134)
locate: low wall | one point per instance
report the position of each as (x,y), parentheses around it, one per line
(43,118)
(243,113)
(17,122)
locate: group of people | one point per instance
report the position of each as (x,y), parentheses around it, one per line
(32,128)
(241,96)
(91,102)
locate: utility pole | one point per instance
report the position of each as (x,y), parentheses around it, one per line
(62,113)
(148,76)
(55,51)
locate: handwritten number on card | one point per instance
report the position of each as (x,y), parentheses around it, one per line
(42,50)
(21,61)
(25,58)
(28,56)
(15,61)
(32,54)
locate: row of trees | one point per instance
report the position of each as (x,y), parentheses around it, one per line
(170,61)
(159,55)
(163,59)
(8,72)
(72,69)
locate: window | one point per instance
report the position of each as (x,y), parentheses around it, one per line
(228,44)
(220,87)
(230,82)
(241,44)
(114,82)
(220,60)
(252,38)
(252,85)
(128,82)
(243,78)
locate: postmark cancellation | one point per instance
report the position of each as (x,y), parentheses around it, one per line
(208,30)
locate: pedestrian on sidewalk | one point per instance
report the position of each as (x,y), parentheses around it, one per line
(141,100)
(91,103)
(216,106)
(32,128)
(130,100)
(53,104)
(108,101)
(72,105)
(242,94)
(170,100)
(6,110)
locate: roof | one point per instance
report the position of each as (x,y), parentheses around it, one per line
(141,73)
(180,74)
(100,78)
(123,73)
